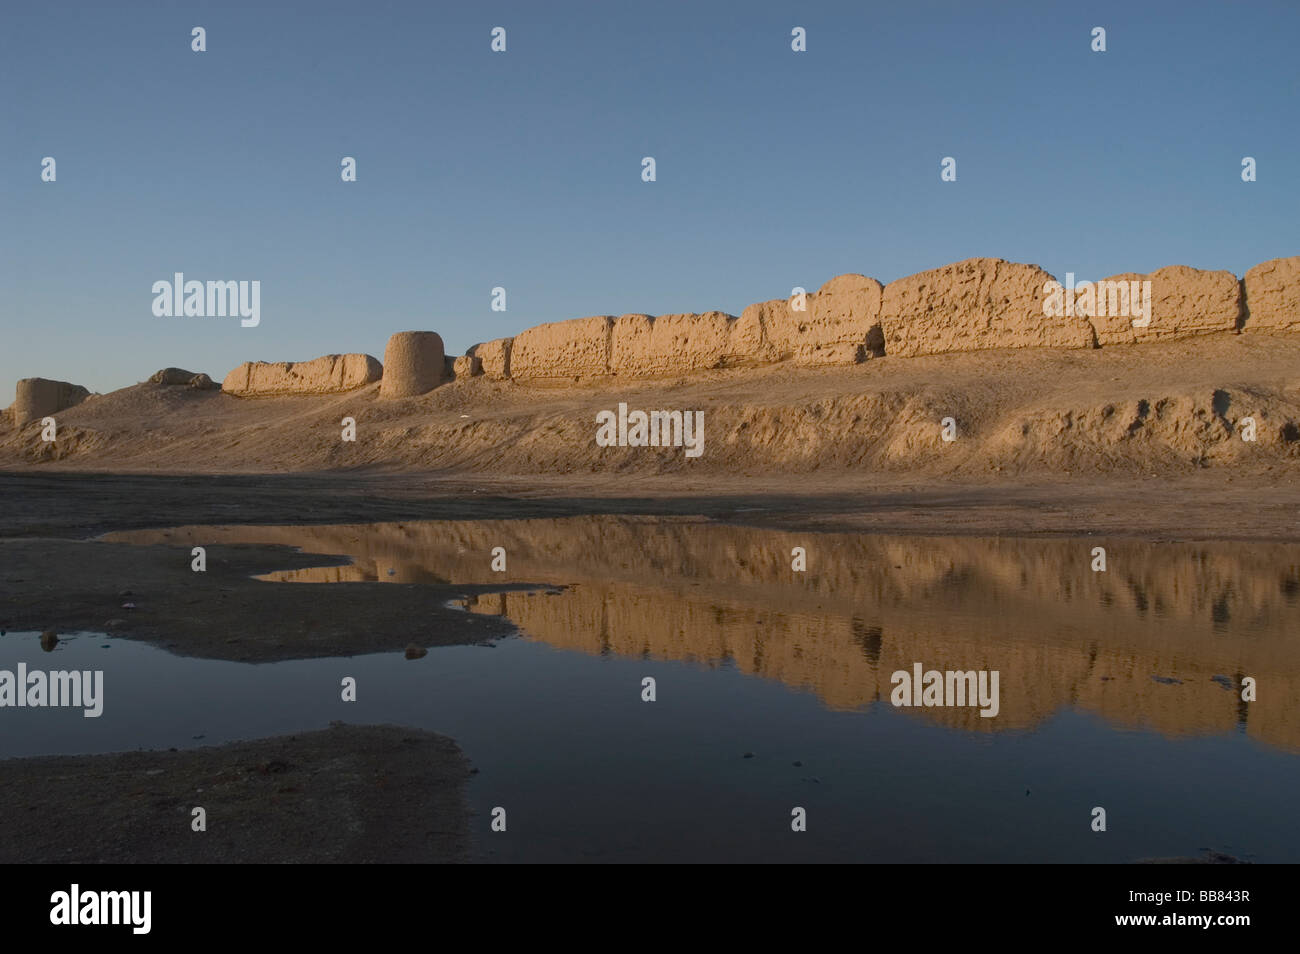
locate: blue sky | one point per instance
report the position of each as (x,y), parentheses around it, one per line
(523,169)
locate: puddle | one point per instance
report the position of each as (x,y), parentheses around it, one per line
(1119,689)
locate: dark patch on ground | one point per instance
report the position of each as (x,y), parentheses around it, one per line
(347,794)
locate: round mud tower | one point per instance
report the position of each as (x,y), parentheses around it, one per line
(413,364)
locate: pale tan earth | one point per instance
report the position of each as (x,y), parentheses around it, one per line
(1273,295)
(978,304)
(576,348)
(494,356)
(413,364)
(179,377)
(326,375)
(845,322)
(1184,302)
(838,324)
(466,366)
(1061,633)
(643,346)
(36,398)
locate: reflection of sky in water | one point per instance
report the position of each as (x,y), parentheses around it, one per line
(587,770)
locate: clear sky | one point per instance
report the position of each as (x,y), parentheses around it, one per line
(522,169)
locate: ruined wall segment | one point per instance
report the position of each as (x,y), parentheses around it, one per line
(1273,295)
(1184,302)
(330,374)
(973,305)
(573,349)
(466,366)
(494,356)
(977,304)
(35,398)
(645,347)
(179,377)
(840,326)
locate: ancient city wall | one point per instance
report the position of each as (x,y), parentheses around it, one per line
(1184,302)
(1273,296)
(327,375)
(973,305)
(35,398)
(413,364)
(977,304)
(578,348)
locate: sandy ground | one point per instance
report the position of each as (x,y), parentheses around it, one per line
(344,794)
